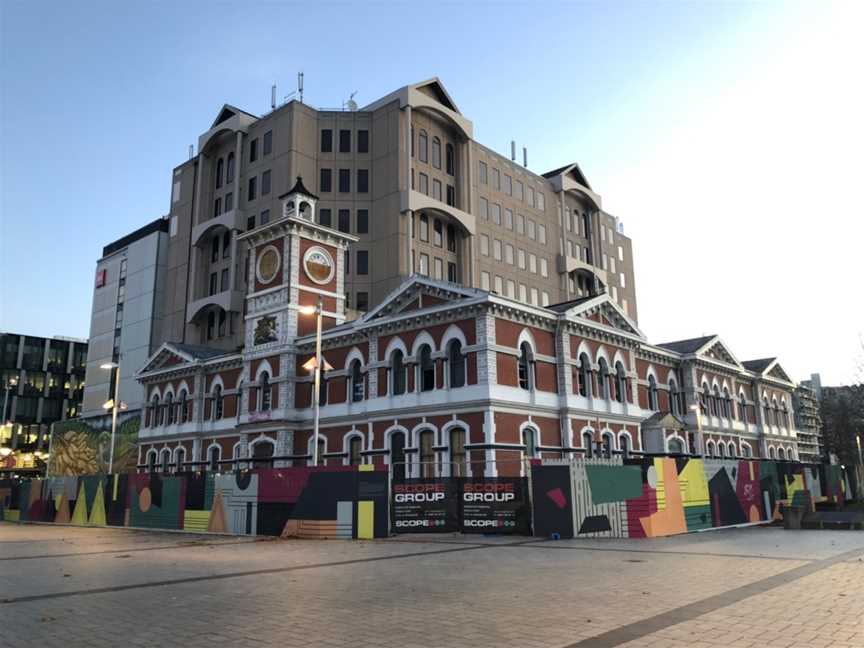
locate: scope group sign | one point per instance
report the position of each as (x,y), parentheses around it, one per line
(490,505)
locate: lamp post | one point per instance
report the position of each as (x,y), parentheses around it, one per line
(695,409)
(317,311)
(114,405)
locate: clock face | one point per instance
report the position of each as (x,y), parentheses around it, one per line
(319,265)
(268,265)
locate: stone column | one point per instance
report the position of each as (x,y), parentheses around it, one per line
(284,446)
(372,364)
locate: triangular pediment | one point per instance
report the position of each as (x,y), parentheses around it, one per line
(717,350)
(776,371)
(228,111)
(603,310)
(435,89)
(166,357)
(419,293)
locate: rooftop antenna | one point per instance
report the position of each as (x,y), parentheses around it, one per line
(525,156)
(300,85)
(351,104)
(273,97)
(512,150)
(191,151)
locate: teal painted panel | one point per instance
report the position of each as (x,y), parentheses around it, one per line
(614,483)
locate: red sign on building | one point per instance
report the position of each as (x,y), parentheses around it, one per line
(101,277)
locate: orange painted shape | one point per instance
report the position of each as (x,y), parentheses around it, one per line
(670,520)
(217,522)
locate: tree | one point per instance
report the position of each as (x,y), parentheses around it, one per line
(842,412)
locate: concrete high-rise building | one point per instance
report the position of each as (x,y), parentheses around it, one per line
(130,280)
(808,421)
(404,176)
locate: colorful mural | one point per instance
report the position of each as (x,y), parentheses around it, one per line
(343,502)
(84,448)
(661,496)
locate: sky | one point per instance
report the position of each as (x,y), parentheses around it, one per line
(726,136)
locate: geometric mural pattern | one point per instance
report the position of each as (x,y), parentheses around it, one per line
(332,502)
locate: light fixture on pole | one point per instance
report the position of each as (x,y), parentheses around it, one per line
(13,382)
(114,404)
(315,364)
(697,411)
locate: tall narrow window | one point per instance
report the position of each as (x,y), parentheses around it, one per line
(397,372)
(423,144)
(529,440)
(608,445)
(588,444)
(674,404)
(624,441)
(424,227)
(526,362)
(742,408)
(427,368)
(355,447)
(357,389)
(451,238)
(181,407)
(458,464)
(213,456)
(268,143)
(169,408)
(427,454)
(220,164)
(344,180)
(451,160)
(436,152)
(603,379)
(229,174)
(326,140)
(620,383)
(344,141)
(397,454)
(652,393)
(437,233)
(264,392)
(218,404)
(456,362)
(362,180)
(362,141)
(325,185)
(584,375)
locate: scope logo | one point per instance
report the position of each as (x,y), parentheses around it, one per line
(489,492)
(418,493)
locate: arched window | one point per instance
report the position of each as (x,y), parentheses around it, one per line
(731,450)
(775,413)
(166,460)
(781,453)
(262,454)
(721,449)
(603,379)
(151,461)
(746,451)
(584,375)
(322,450)
(357,387)
(675,446)
(742,408)
(608,445)
(451,159)
(229,176)
(169,408)
(456,363)
(784,414)
(355,447)
(624,442)
(180,459)
(727,404)
(214,454)
(218,403)
(709,448)
(718,402)
(157,414)
(529,440)
(458,456)
(704,399)
(526,363)
(397,454)
(264,395)
(427,368)
(588,444)
(397,372)
(674,403)
(427,454)
(423,144)
(220,164)
(620,383)
(653,403)
(181,406)
(766,412)
(436,152)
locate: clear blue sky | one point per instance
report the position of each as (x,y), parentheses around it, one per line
(718,133)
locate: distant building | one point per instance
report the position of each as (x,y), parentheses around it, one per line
(127,287)
(808,421)
(41,382)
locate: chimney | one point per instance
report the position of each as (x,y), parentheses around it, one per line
(273,97)
(525,156)
(191,151)
(512,150)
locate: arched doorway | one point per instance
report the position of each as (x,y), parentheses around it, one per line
(262,454)
(397,454)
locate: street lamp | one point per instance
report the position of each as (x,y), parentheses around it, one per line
(315,364)
(114,404)
(13,382)
(696,410)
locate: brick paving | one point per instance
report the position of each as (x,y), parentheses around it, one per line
(68,586)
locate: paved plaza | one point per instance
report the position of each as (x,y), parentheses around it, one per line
(69,586)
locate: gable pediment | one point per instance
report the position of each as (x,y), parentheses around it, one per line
(776,371)
(602,310)
(435,90)
(418,294)
(166,357)
(716,350)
